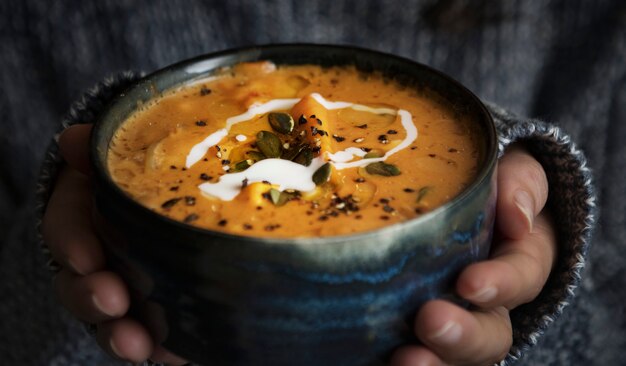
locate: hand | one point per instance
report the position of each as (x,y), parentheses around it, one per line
(84,285)
(518,267)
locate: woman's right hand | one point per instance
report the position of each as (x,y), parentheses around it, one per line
(84,286)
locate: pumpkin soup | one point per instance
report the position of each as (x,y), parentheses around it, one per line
(294,151)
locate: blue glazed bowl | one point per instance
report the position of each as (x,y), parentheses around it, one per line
(222,299)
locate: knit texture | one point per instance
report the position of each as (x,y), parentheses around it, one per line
(572,202)
(559,60)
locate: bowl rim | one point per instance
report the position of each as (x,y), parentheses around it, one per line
(101,175)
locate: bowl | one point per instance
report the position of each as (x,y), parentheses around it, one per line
(222,299)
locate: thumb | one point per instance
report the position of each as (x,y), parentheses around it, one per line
(74,147)
(522,192)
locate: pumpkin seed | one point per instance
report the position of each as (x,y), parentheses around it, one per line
(279,198)
(281,122)
(242,165)
(372,155)
(293,151)
(255,155)
(269,144)
(423,192)
(322,174)
(382,168)
(305,157)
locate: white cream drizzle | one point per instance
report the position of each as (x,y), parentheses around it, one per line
(300,177)
(273,170)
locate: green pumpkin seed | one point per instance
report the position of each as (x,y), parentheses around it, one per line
(279,198)
(372,155)
(322,174)
(281,122)
(382,168)
(305,157)
(293,151)
(269,144)
(255,155)
(423,192)
(242,165)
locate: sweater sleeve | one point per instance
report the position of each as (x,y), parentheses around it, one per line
(84,110)
(572,203)
(571,200)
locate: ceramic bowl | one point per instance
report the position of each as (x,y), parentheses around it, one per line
(221,299)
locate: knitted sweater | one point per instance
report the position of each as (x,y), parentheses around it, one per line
(561,61)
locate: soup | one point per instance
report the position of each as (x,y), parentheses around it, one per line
(294,151)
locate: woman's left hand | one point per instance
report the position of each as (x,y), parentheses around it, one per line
(521,260)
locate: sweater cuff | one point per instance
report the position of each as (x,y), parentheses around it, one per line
(84,110)
(572,202)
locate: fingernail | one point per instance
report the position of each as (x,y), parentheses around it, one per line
(115,350)
(524,202)
(450,333)
(484,295)
(98,305)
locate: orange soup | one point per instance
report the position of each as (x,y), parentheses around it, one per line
(294,151)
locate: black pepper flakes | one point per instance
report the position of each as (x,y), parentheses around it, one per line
(302,120)
(384,217)
(205,176)
(190,200)
(383,139)
(323,218)
(174,188)
(222,222)
(432,155)
(314,131)
(201,123)
(392,132)
(190,218)
(453,150)
(172,167)
(384,201)
(338,138)
(409,190)
(170,203)
(388,208)
(312,116)
(247,226)
(363,126)
(204,91)
(225,162)
(272,227)
(244,183)
(319,121)
(359,180)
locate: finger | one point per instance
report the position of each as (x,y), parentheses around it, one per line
(161,355)
(67,228)
(415,356)
(93,298)
(74,147)
(517,271)
(522,192)
(125,338)
(461,337)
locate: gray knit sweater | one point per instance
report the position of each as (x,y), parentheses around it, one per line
(559,61)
